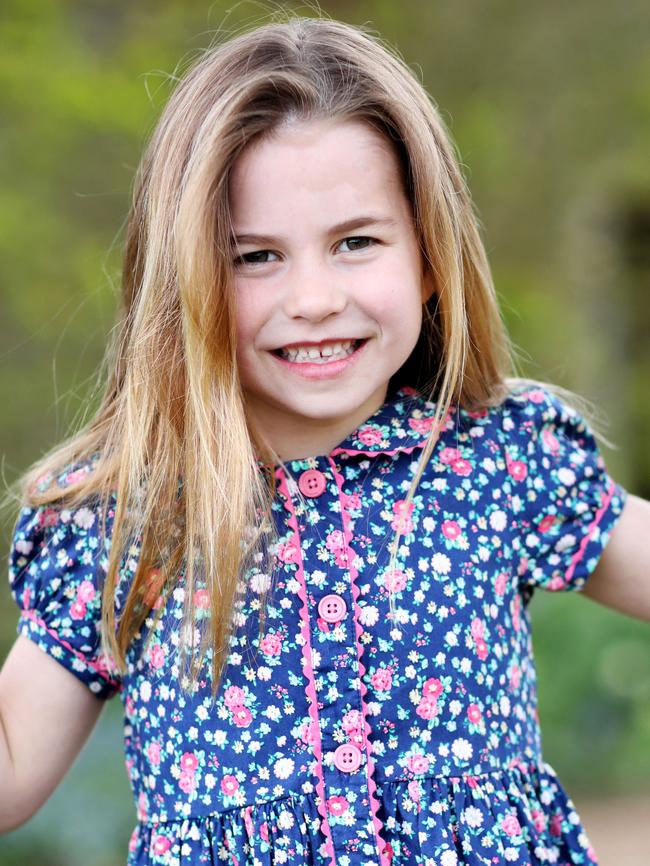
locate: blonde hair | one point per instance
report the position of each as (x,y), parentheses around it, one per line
(170,439)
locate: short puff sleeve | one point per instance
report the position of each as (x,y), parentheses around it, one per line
(564,502)
(55,563)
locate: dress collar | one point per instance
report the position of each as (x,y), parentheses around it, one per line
(402,423)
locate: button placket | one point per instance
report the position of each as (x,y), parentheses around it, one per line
(334,640)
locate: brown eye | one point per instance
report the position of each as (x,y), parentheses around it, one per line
(257,257)
(357,243)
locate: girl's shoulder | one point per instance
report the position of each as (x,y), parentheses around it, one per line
(562,499)
(530,409)
(50,518)
(528,398)
(521,412)
(66,476)
(57,562)
(57,533)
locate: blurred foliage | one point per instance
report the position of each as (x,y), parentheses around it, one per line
(550,107)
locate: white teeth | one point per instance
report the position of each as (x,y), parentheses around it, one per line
(319,355)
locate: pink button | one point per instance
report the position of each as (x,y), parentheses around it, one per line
(312,483)
(332,608)
(347,757)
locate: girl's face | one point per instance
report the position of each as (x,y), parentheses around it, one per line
(329,281)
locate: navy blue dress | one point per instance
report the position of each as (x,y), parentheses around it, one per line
(346,736)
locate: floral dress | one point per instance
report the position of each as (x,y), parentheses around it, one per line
(346,736)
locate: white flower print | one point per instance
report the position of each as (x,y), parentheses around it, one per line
(84,518)
(472,816)
(145,690)
(441,563)
(202,713)
(368,615)
(283,768)
(566,476)
(532,540)
(567,542)
(462,749)
(498,520)
(285,820)
(260,582)
(318,577)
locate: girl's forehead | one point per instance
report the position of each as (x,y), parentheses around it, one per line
(339,163)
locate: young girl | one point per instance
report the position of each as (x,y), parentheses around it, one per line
(301,533)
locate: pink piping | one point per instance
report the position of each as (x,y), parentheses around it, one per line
(401,449)
(310,688)
(96,666)
(585,541)
(370,764)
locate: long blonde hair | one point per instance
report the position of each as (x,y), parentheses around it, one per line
(170,439)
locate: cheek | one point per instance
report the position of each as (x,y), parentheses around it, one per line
(411,321)
(398,306)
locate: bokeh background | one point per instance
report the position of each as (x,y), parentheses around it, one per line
(549,105)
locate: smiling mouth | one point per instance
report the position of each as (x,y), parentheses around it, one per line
(323,353)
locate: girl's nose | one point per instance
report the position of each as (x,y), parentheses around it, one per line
(314,295)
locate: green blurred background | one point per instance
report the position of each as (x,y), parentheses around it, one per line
(550,107)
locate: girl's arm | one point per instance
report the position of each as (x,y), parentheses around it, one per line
(46,715)
(621,580)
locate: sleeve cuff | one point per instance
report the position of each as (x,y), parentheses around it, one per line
(93,673)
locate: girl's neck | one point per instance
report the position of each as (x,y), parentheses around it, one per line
(300,437)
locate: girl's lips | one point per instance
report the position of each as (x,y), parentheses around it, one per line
(326,370)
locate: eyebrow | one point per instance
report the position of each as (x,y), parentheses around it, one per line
(339,228)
